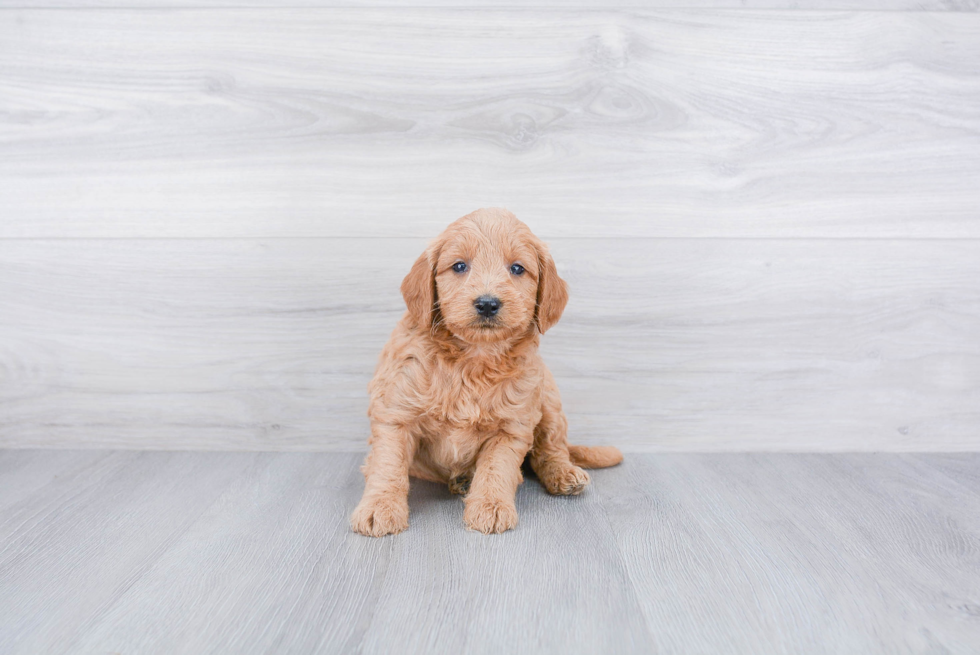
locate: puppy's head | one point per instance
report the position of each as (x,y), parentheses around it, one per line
(486,278)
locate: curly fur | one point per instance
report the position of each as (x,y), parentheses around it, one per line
(461,399)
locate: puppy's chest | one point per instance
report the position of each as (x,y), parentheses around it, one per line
(458,400)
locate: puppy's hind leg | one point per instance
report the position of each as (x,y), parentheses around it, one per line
(550,458)
(384,506)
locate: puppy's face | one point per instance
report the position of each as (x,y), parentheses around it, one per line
(486,282)
(486,278)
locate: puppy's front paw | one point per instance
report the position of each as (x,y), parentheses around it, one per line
(380,516)
(565,480)
(489,515)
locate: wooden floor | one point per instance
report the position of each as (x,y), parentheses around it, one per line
(176,552)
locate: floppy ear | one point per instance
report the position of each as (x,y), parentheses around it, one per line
(552,291)
(419,289)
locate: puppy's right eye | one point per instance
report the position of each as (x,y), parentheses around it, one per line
(459,267)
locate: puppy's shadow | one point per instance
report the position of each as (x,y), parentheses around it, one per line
(430,505)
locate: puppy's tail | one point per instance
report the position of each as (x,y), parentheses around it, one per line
(595,457)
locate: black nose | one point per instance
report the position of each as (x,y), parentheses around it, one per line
(487,306)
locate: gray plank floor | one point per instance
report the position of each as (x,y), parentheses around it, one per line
(161,552)
(795,5)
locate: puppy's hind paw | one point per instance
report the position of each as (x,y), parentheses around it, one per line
(460,485)
(565,480)
(380,516)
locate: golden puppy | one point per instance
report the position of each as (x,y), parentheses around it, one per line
(461,395)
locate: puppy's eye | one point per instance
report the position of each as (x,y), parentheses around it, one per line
(459,267)
(517,269)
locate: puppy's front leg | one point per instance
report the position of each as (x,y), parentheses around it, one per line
(490,504)
(384,506)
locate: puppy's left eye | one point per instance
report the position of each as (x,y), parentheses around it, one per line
(517,269)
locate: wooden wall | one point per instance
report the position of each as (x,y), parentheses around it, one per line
(769,216)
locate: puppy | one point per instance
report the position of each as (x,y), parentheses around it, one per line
(461,395)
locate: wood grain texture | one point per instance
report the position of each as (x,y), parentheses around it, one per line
(279,570)
(348,122)
(967,477)
(89,535)
(805,5)
(24,472)
(798,554)
(724,553)
(666,344)
(557,582)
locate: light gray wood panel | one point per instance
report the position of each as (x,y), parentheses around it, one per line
(556,582)
(796,554)
(666,344)
(275,567)
(666,553)
(24,472)
(69,550)
(806,5)
(965,471)
(314,586)
(349,122)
